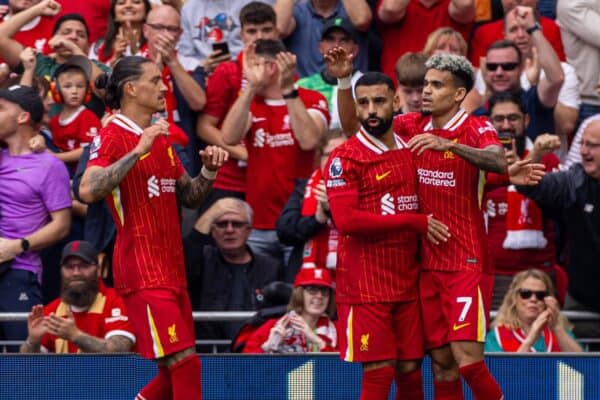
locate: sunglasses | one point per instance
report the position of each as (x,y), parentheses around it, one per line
(509,66)
(527,293)
(234,224)
(324,290)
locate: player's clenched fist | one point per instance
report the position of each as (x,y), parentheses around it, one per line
(213,157)
(160,127)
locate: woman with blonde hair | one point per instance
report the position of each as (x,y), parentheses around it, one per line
(529,318)
(445,40)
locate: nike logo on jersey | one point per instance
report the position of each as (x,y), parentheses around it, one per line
(379,177)
(456,327)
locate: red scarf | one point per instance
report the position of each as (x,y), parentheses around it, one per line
(511,339)
(320,250)
(524,220)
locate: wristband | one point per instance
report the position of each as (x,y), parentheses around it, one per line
(344,83)
(208,174)
(533,28)
(291,95)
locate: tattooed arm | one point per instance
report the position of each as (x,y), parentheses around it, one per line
(92,344)
(490,159)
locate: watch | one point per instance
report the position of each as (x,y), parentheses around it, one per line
(24,244)
(533,28)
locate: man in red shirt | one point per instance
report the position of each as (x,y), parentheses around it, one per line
(222,88)
(37,32)
(282,126)
(133,165)
(372,190)
(88,317)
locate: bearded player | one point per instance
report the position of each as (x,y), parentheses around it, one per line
(134,167)
(372,190)
(450,150)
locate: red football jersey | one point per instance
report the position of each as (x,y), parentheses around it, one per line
(73,132)
(275,159)
(106,317)
(148,251)
(375,267)
(35,34)
(451,189)
(222,89)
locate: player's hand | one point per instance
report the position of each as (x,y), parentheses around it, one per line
(9,249)
(63,328)
(160,127)
(286,64)
(37,144)
(339,62)
(27,57)
(36,324)
(427,141)
(213,60)
(437,232)
(526,173)
(213,157)
(48,8)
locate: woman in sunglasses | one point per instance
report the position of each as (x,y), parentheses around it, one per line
(529,318)
(307,326)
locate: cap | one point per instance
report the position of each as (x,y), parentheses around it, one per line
(76,61)
(339,23)
(81,249)
(27,98)
(313,276)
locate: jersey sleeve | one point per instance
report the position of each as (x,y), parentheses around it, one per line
(316,104)
(221,90)
(486,134)
(89,128)
(105,149)
(116,320)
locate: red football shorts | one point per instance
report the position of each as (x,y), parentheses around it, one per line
(162,321)
(371,332)
(455,306)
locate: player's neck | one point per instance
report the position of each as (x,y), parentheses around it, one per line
(137,114)
(439,121)
(388,139)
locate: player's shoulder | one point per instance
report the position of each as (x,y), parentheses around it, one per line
(408,124)
(478,124)
(351,149)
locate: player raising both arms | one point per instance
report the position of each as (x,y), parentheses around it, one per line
(450,148)
(372,190)
(133,166)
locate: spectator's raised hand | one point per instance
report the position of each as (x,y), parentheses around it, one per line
(36,324)
(286,64)
(61,327)
(338,62)
(533,67)
(436,231)
(165,48)
(322,202)
(213,60)
(546,143)
(27,57)
(255,70)
(554,311)
(48,8)
(60,43)
(213,157)
(525,16)
(37,144)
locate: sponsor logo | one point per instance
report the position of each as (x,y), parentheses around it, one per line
(156,187)
(262,139)
(331,183)
(286,123)
(391,204)
(115,312)
(171,330)
(364,342)
(335,168)
(379,177)
(94,148)
(457,327)
(153,189)
(115,319)
(436,177)
(93,132)
(472,260)
(258,119)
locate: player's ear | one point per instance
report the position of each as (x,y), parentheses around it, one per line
(460,94)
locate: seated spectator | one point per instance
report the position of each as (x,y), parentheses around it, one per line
(36,33)
(223,273)
(486,34)
(519,236)
(87,318)
(305,221)
(410,73)
(529,319)
(301,24)
(75,126)
(445,40)
(124,36)
(35,205)
(307,327)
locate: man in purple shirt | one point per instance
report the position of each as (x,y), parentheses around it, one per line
(35,205)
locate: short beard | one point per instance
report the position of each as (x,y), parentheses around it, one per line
(426,113)
(379,130)
(83,296)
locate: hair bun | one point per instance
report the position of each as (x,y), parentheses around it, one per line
(102,81)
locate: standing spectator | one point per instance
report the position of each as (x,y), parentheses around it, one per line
(301,24)
(372,190)
(307,326)
(88,317)
(572,197)
(410,72)
(445,40)
(416,19)
(580,28)
(337,32)
(37,32)
(206,23)
(258,21)
(283,126)
(124,36)
(223,273)
(95,13)
(35,205)
(486,34)
(529,319)
(134,167)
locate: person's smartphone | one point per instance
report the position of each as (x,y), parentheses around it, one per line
(222,46)
(506,139)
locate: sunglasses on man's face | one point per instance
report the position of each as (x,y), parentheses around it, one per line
(509,66)
(526,294)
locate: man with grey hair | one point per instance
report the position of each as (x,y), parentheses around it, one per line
(222,272)
(450,147)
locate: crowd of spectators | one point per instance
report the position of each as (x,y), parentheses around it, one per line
(255,78)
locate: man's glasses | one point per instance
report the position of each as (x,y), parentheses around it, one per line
(588,144)
(168,28)
(313,290)
(527,293)
(224,224)
(509,66)
(510,118)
